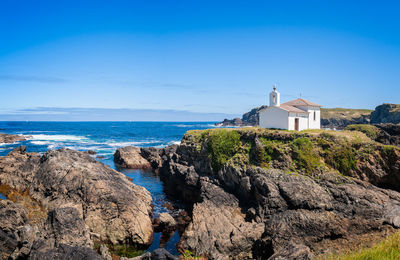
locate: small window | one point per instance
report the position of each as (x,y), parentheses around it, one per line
(315,115)
(274,99)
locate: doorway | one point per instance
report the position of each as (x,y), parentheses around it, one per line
(296,124)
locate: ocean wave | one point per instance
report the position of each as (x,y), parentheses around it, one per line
(41,142)
(122,144)
(195,126)
(43,137)
(174,142)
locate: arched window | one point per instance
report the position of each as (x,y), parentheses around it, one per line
(274,99)
(315,115)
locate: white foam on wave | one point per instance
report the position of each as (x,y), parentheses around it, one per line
(174,142)
(43,137)
(195,125)
(121,144)
(41,142)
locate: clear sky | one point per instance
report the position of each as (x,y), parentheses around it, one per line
(198,56)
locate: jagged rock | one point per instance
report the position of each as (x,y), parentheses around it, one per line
(13,219)
(248,119)
(65,226)
(167,220)
(234,122)
(85,200)
(293,251)
(66,252)
(389,134)
(249,212)
(386,113)
(219,228)
(129,157)
(7,138)
(152,155)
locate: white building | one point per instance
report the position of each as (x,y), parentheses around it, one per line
(298,114)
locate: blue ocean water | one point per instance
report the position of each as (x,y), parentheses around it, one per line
(104,138)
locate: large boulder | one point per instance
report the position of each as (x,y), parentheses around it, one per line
(129,157)
(86,200)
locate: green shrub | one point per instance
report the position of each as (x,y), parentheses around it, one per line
(222,145)
(342,159)
(261,152)
(304,156)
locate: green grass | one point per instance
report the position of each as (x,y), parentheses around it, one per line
(369,130)
(222,145)
(387,249)
(343,113)
(304,156)
(342,158)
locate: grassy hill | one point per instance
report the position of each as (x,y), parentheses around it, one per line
(344,113)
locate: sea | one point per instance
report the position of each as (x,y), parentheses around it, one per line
(104,138)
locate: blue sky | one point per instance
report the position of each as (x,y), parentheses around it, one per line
(195,56)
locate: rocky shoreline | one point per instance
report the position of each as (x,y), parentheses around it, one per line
(248,193)
(64,204)
(242,209)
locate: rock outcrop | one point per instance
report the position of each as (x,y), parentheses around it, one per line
(8,139)
(248,119)
(386,113)
(278,195)
(129,157)
(67,201)
(386,133)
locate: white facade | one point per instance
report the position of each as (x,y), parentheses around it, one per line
(274,117)
(298,114)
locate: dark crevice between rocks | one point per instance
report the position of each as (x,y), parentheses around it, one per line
(262,249)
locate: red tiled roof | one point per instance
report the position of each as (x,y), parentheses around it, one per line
(301,102)
(292,109)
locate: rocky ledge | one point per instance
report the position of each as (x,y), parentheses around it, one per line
(257,193)
(8,139)
(64,203)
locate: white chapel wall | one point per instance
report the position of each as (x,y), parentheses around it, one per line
(274,117)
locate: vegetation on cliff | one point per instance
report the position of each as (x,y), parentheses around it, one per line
(369,130)
(308,152)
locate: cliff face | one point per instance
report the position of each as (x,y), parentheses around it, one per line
(386,113)
(270,194)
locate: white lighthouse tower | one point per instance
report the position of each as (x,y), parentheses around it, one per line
(274,98)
